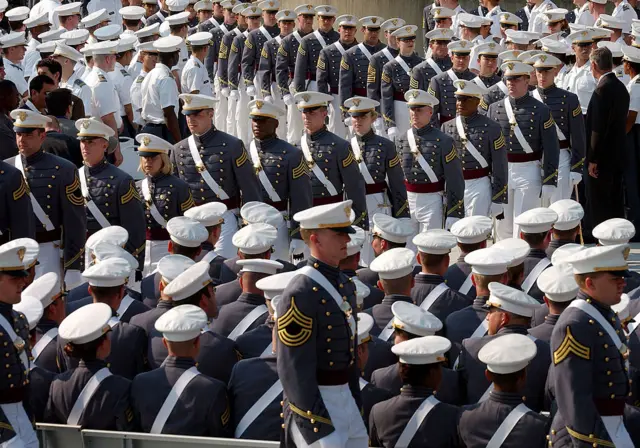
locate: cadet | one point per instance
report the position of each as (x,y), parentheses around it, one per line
(518,250)
(416,417)
(15,348)
(618,231)
(217,354)
(64,205)
(109,193)
(304,74)
(259,342)
(186,236)
(559,289)
(210,215)
(430,162)
(160,92)
(510,311)
(388,233)
(13,49)
(567,227)
(316,335)
(68,58)
(286,57)
(471,234)
(131,18)
(441,86)
(430,291)
(194,77)
(149,56)
(165,196)
(396,81)
(323,152)
(249,309)
(526,187)
(254,43)
(237,83)
(164,400)
(220,153)
(395,269)
(16,219)
(535,228)
(579,79)
(499,90)
(128,343)
(266,75)
(46,352)
(481,148)
(354,67)
(567,114)
(283,174)
(437,63)
(351,263)
(504,419)
(71,401)
(256,391)
(152,285)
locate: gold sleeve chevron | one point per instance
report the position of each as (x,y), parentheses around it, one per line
(282,51)
(371,74)
(499,143)
(186,205)
(386,78)
(393,162)
(22,189)
(483,104)
(413,83)
(248,44)
(577,111)
(73,192)
(234,49)
(300,170)
(243,158)
(549,123)
(294,328)
(431,91)
(131,194)
(570,345)
(226,415)
(348,160)
(452,155)
(301,51)
(344,65)
(321,65)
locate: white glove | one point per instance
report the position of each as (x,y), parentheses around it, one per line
(72,278)
(347,121)
(449,222)
(496,209)
(296,247)
(251,91)
(392,132)
(576,178)
(234,95)
(547,192)
(225,92)
(288,99)
(378,125)
(269,99)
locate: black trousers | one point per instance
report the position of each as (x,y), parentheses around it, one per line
(159,130)
(605,195)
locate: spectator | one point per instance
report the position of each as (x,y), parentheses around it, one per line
(38,88)
(60,104)
(2,72)
(61,144)
(53,69)
(9,100)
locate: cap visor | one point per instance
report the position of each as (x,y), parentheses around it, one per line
(148,154)
(16,273)
(347,229)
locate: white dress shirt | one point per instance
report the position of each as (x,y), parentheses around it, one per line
(159,90)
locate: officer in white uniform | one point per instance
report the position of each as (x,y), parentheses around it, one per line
(194,77)
(93,21)
(146,35)
(579,79)
(76,39)
(625,12)
(537,22)
(36,25)
(112,8)
(149,58)
(66,16)
(13,50)
(68,57)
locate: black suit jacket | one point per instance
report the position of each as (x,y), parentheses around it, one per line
(606,120)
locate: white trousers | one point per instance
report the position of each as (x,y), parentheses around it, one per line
(277,101)
(154,251)
(230,118)
(294,124)
(336,125)
(617,431)
(426,213)
(242,115)
(18,419)
(349,430)
(220,113)
(523,190)
(224,246)
(401,112)
(376,203)
(563,190)
(477,197)
(49,259)
(281,246)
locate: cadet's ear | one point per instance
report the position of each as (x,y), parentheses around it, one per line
(164,342)
(487,375)
(170,246)
(380,287)
(418,258)
(473,280)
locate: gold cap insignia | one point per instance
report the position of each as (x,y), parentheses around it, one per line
(272,3)
(408,29)
(347,210)
(584,33)
(543,57)
(436,12)
(309,7)
(510,65)
(625,253)
(374,19)
(22,116)
(463,43)
(394,21)
(286,13)
(259,104)
(356,102)
(505,16)
(187,99)
(415,94)
(85,124)
(306,98)
(461,84)
(492,45)
(327,9)
(21,253)
(146,141)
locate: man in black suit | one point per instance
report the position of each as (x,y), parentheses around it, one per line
(606,136)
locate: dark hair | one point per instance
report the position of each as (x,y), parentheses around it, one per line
(635,66)
(16,25)
(405,334)
(105,292)
(86,351)
(391,244)
(168,59)
(50,64)
(6,87)
(256,256)
(565,234)
(38,82)
(58,102)
(174,28)
(467,248)
(122,54)
(507,381)
(431,261)
(534,239)
(415,375)
(189,252)
(195,48)
(514,272)
(131,22)
(195,298)
(603,58)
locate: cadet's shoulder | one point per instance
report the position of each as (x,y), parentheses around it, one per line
(227,139)
(118,174)
(119,385)
(485,121)
(58,162)
(249,365)
(208,383)
(8,170)
(20,323)
(131,330)
(449,127)
(442,137)
(175,182)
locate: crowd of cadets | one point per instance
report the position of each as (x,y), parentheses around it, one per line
(233,292)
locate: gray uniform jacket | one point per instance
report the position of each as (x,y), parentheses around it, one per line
(428,23)
(211,60)
(472,370)
(539,133)
(253,49)
(539,314)
(389,418)
(333,155)
(375,295)
(109,408)
(147,320)
(307,58)
(448,302)
(115,194)
(441,86)
(395,82)
(250,380)
(423,73)
(374,72)
(222,68)
(367,276)
(382,314)
(253,343)
(171,196)
(439,151)
(288,173)
(266,71)
(14,377)
(315,341)
(136,307)
(380,356)
(55,184)
(456,275)
(494,95)
(234,70)
(16,215)
(588,369)
(354,69)
(555,244)
(39,384)
(486,135)
(286,62)
(202,410)
(155,17)
(460,325)
(232,314)
(479,423)
(51,357)
(371,395)
(228,292)
(567,113)
(328,68)
(228,162)
(490,81)
(534,257)
(544,330)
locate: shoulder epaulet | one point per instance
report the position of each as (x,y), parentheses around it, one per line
(101,78)
(79,82)
(124,72)
(139,79)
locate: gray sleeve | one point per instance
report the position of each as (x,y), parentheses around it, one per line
(550,148)
(499,166)
(300,193)
(345,80)
(282,66)
(233,69)
(265,68)
(302,66)
(453,178)
(249,57)
(387,91)
(395,182)
(322,72)
(577,134)
(354,185)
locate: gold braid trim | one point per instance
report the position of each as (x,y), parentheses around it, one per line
(224,418)
(186,205)
(73,260)
(6,426)
(588,439)
(348,160)
(308,415)
(578,164)
(344,65)
(499,193)
(403,208)
(455,207)
(243,158)
(138,250)
(548,178)
(393,162)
